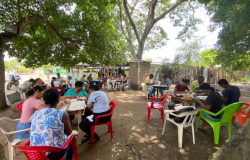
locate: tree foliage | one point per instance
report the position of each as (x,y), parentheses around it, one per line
(63,32)
(189,53)
(148,59)
(48,67)
(233,40)
(138,19)
(209,57)
(23,70)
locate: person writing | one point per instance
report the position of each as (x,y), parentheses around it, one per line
(213,104)
(194,87)
(51,127)
(230,94)
(148,85)
(30,105)
(77,90)
(165,81)
(182,87)
(99,103)
(125,80)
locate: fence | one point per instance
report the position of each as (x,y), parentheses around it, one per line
(211,74)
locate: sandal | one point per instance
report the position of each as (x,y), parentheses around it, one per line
(86,136)
(97,139)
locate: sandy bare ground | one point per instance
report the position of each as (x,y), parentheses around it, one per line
(130,127)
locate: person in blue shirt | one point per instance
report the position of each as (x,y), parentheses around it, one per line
(77,91)
(231,94)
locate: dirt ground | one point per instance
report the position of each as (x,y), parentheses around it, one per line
(130,127)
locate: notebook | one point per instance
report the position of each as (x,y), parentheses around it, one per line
(74,106)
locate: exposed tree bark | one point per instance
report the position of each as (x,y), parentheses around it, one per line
(2,76)
(151,20)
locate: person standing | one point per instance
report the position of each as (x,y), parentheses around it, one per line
(48,76)
(148,85)
(59,78)
(165,81)
(27,85)
(230,94)
(195,85)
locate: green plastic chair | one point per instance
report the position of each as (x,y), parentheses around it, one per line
(227,116)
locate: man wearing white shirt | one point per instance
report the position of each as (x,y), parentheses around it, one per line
(59,78)
(71,82)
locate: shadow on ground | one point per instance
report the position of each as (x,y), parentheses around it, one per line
(130,127)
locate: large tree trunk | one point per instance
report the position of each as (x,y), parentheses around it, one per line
(2,76)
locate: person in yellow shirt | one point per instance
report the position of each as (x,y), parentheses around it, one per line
(148,85)
(195,85)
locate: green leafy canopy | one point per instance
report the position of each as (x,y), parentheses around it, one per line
(63,32)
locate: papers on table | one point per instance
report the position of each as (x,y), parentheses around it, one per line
(202,97)
(74,106)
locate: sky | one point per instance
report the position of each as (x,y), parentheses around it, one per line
(169,51)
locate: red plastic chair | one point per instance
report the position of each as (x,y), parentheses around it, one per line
(38,152)
(59,89)
(157,105)
(241,115)
(20,106)
(109,123)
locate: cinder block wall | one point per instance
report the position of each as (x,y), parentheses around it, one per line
(138,71)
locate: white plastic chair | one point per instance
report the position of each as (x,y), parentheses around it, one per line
(108,81)
(145,91)
(180,126)
(128,84)
(170,93)
(7,127)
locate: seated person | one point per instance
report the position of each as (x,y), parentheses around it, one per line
(77,91)
(55,83)
(59,78)
(230,94)
(165,81)
(71,82)
(213,104)
(30,105)
(194,87)
(125,80)
(148,85)
(85,82)
(181,88)
(51,127)
(27,85)
(104,80)
(90,77)
(98,101)
(112,78)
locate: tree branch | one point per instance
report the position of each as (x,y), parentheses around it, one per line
(121,19)
(169,10)
(131,21)
(132,48)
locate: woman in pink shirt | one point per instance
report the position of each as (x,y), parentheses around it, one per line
(30,105)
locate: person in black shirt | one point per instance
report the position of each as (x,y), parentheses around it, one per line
(231,94)
(213,104)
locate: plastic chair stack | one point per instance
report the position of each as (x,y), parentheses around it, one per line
(38,152)
(157,105)
(241,115)
(187,122)
(7,127)
(227,116)
(109,123)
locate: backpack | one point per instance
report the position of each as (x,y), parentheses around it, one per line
(179,119)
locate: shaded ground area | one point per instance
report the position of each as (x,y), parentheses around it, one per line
(130,127)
